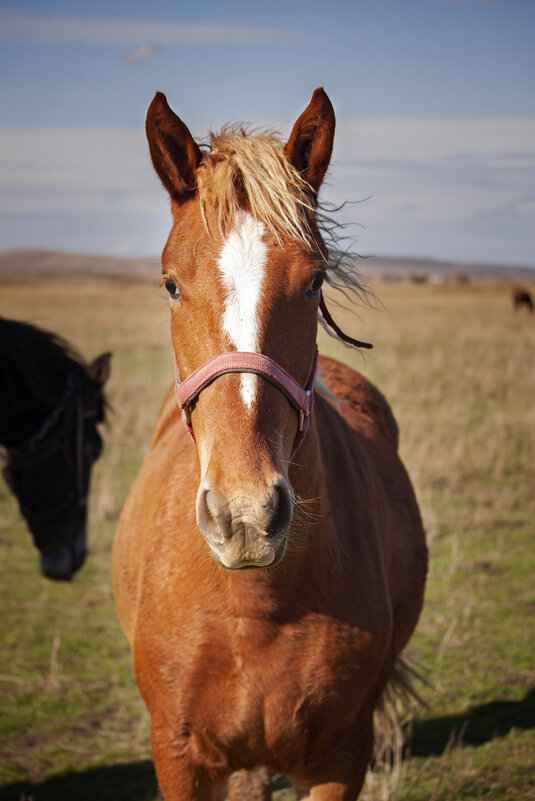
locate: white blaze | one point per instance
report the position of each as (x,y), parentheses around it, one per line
(242,266)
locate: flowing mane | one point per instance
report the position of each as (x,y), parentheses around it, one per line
(242,166)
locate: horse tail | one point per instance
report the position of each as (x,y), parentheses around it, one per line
(392,722)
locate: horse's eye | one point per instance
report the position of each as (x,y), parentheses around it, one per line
(172,288)
(313,289)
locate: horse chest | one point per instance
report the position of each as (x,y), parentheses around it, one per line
(253,697)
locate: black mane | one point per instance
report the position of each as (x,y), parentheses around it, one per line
(35,361)
(35,366)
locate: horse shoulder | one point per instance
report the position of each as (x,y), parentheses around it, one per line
(157,495)
(168,416)
(384,502)
(358,400)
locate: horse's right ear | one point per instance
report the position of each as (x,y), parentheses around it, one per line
(99,369)
(174,152)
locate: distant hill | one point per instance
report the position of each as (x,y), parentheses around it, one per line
(18,263)
(402,268)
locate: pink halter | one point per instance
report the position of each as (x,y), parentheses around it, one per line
(302,400)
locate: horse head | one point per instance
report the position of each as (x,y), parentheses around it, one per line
(51,408)
(243,266)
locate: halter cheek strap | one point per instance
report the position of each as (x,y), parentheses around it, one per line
(302,400)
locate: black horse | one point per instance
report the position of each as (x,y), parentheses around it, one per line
(51,402)
(521,297)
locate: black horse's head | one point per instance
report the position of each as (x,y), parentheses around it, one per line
(49,415)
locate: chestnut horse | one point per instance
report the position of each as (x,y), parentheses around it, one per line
(266,580)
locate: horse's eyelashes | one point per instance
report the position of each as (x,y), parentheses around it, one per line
(315,285)
(172,288)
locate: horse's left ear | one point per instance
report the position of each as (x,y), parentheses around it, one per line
(99,369)
(310,144)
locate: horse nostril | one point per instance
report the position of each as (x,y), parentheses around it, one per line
(281,507)
(265,514)
(213,515)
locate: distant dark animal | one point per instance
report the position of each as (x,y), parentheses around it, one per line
(521,297)
(50,405)
(244,662)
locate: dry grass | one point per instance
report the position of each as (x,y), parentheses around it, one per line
(458,367)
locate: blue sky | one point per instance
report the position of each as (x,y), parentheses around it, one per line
(435,104)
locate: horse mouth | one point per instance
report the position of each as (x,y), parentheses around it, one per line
(250,559)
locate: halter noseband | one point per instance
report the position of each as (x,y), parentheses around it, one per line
(302,400)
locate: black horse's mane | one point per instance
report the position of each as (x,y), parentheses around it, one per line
(36,361)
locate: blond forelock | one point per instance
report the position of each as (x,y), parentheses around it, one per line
(250,167)
(244,168)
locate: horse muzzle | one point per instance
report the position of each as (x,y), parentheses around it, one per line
(246,530)
(61,561)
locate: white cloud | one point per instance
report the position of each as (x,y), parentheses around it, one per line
(442,188)
(439,187)
(527,207)
(426,140)
(75,170)
(139,55)
(32,28)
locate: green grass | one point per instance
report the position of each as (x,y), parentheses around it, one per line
(458,367)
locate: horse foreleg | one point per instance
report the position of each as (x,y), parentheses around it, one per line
(342,775)
(186,787)
(178,779)
(250,785)
(329,791)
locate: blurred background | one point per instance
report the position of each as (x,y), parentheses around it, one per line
(434,101)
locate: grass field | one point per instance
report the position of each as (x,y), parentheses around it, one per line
(458,367)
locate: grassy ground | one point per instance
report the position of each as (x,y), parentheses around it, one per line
(458,367)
